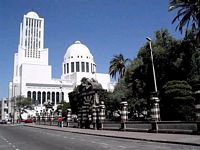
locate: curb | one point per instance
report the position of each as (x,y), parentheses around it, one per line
(113,136)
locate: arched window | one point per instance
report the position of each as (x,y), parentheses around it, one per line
(77,67)
(53,98)
(64,68)
(57,97)
(48,96)
(43,97)
(87,67)
(34,97)
(62,96)
(67,67)
(29,94)
(83,66)
(39,97)
(72,66)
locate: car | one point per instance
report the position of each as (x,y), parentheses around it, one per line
(3,122)
(27,121)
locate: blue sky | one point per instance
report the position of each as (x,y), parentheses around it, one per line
(107,27)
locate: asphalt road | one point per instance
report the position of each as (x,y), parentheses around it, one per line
(16,137)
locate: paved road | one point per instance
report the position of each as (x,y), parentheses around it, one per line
(26,138)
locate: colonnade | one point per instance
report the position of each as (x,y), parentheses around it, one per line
(39,97)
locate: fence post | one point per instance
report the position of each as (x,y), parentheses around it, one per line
(101,114)
(94,117)
(68,116)
(124,114)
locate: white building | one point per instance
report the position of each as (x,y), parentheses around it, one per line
(4,109)
(32,75)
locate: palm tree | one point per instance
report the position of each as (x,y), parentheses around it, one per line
(188,14)
(118,66)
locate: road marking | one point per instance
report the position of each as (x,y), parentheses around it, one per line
(94,142)
(103,143)
(122,146)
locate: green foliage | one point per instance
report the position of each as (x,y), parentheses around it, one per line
(63,106)
(173,60)
(177,101)
(188,14)
(118,66)
(22,102)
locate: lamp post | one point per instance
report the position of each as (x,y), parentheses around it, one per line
(154,76)
(14,103)
(155,110)
(61,97)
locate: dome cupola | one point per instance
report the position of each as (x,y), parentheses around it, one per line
(78,50)
(32,14)
(78,59)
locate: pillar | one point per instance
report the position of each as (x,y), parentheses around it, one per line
(124,114)
(155,109)
(94,117)
(69,116)
(101,114)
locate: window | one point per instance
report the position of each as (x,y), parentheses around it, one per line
(67,67)
(87,67)
(91,68)
(53,98)
(94,68)
(43,97)
(62,96)
(39,97)
(72,66)
(34,97)
(77,67)
(29,94)
(83,66)
(26,22)
(48,96)
(64,68)
(57,97)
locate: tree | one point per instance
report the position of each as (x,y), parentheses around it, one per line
(118,66)
(63,106)
(177,101)
(22,103)
(189,12)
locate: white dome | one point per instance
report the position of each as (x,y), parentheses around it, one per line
(78,50)
(32,14)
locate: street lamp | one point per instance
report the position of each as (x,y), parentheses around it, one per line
(154,76)
(61,97)
(155,110)
(14,103)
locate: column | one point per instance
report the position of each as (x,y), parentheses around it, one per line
(124,114)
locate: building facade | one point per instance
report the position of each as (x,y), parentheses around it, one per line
(4,115)
(32,75)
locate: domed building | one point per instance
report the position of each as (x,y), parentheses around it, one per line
(78,63)
(32,74)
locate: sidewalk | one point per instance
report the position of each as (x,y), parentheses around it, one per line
(154,137)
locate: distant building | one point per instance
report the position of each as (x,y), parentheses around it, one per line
(32,74)
(4,115)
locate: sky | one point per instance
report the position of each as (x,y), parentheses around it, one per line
(106,27)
